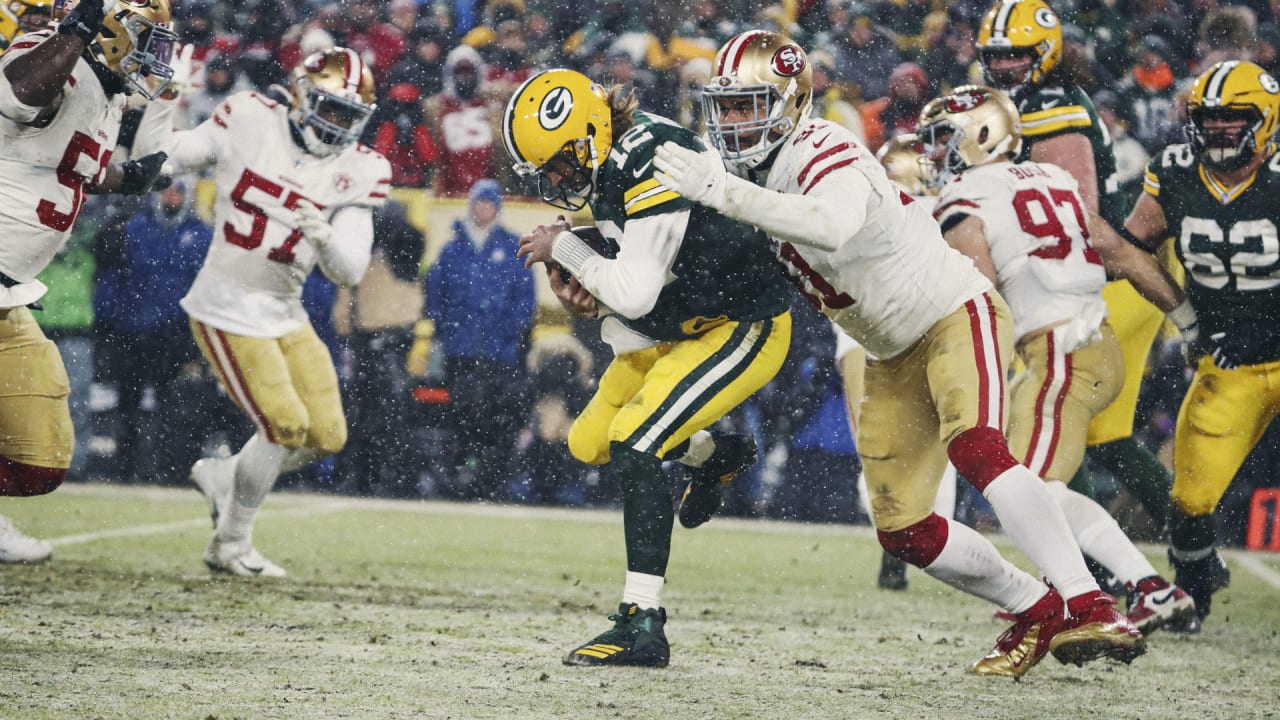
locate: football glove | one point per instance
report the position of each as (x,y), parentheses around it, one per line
(85,19)
(144,174)
(699,176)
(313,226)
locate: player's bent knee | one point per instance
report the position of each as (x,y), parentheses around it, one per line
(981,455)
(22,480)
(330,443)
(587,444)
(920,544)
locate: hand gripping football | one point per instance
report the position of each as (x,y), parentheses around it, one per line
(592,236)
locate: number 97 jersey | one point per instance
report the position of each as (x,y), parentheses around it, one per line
(1227,240)
(251,281)
(1036,227)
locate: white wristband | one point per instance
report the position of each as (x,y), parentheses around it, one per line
(1183,316)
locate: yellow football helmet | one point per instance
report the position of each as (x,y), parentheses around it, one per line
(764,81)
(22,16)
(333,98)
(559,121)
(1230,91)
(900,158)
(1022,28)
(136,42)
(971,126)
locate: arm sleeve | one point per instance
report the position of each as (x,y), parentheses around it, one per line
(630,283)
(825,219)
(346,257)
(188,150)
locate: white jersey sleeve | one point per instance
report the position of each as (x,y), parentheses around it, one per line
(894,276)
(251,281)
(1035,225)
(44,172)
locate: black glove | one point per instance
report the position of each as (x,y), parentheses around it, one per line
(85,19)
(144,174)
(1223,348)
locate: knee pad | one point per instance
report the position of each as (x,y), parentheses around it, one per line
(22,480)
(981,455)
(919,544)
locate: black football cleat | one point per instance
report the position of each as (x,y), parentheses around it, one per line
(734,453)
(636,639)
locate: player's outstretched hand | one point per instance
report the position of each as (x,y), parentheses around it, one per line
(699,176)
(144,174)
(85,19)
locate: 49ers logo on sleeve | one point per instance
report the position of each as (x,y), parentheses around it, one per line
(965,102)
(788,61)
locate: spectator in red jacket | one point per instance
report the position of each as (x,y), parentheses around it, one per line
(402,136)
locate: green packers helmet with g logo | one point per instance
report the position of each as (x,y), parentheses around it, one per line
(559,121)
(1024,28)
(1238,91)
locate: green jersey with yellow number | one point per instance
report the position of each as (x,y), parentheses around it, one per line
(724,270)
(1226,238)
(1055,110)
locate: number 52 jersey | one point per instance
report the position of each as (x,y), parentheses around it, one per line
(251,281)
(1227,240)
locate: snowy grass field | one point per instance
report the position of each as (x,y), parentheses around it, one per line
(434,610)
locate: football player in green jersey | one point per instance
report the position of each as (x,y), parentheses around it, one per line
(1217,196)
(1021,50)
(694,308)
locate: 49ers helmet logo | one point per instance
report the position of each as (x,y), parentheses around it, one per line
(314,62)
(965,102)
(788,61)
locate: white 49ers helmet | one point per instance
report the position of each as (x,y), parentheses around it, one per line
(761,89)
(136,42)
(333,97)
(971,126)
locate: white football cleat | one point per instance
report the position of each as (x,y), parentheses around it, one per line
(18,548)
(216,480)
(239,558)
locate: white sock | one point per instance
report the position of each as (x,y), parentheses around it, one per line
(1036,525)
(970,563)
(945,503)
(1100,536)
(643,590)
(257,468)
(701,447)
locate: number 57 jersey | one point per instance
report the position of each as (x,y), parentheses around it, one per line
(251,281)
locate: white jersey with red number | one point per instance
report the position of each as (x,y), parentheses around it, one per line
(896,277)
(251,281)
(1036,226)
(44,171)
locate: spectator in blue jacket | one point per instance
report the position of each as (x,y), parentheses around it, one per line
(144,342)
(481,299)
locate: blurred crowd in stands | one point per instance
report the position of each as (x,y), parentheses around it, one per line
(457,384)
